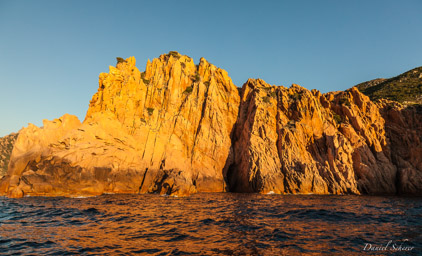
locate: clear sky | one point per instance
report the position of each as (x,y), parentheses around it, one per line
(51,52)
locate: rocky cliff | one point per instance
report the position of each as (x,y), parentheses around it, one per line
(165,130)
(292,140)
(6,146)
(179,128)
(403,128)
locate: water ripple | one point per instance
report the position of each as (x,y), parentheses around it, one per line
(208,224)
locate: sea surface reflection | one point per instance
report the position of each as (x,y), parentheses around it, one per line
(209,224)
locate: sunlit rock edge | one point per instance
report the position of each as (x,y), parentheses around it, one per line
(179,128)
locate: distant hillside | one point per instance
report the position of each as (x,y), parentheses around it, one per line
(405,88)
(6,146)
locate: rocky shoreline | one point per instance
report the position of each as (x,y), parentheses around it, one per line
(179,128)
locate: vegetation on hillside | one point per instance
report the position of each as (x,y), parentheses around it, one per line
(405,88)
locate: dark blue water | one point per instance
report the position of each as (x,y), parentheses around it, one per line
(210,224)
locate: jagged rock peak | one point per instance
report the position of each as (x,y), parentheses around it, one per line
(126,87)
(179,128)
(164,130)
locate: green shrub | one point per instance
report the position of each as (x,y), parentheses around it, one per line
(207,83)
(296,96)
(146,81)
(150,111)
(183,65)
(273,94)
(174,54)
(188,89)
(120,60)
(345,101)
(266,99)
(337,118)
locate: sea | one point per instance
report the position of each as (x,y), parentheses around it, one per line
(211,224)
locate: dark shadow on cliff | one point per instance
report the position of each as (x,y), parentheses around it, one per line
(404,132)
(229,166)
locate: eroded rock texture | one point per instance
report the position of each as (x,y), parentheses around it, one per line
(180,128)
(404,133)
(292,140)
(6,146)
(165,130)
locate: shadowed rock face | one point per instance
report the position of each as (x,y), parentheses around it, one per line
(6,146)
(165,130)
(180,128)
(404,133)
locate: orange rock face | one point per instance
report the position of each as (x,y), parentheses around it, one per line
(180,128)
(165,130)
(292,140)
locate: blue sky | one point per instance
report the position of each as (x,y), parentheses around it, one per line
(51,52)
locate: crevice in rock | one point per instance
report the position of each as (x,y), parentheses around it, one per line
(204,106)
(231,178)
(230,167)
(143,180)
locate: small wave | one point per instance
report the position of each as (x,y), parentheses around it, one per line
(300,194)
(271,193)
(91,210)
(79,197)
(210,223)
(178,237)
